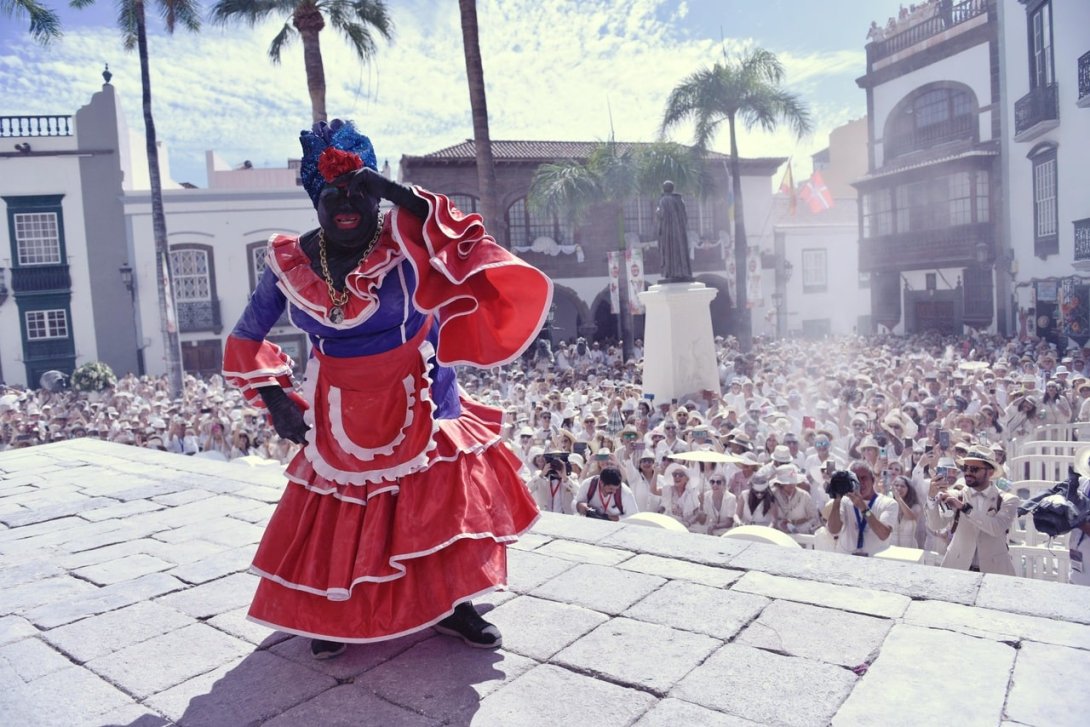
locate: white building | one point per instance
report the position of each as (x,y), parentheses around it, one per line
(1046,151)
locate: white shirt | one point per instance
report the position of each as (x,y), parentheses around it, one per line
(884,508)
(607,505)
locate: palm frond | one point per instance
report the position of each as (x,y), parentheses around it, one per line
(250,12)
(565,188)
(186,12)
(45,25)
(282,39)
(667,160)
(373,13)
(126,23)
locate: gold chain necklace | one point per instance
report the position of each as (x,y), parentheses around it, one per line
(340,298)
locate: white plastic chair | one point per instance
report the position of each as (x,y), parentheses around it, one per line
(1041,563)
(1049,467)
(655,520)
(761,534)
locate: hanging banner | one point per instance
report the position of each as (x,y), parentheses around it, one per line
(634,265)
(753,277)
(732,280)
(614,259)
(1075,309)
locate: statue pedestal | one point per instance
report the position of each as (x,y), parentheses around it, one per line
(678,346)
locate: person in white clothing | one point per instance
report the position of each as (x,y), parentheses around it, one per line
(719,505)
(796,512)
(909,512)
(553,487)
(680,500)
(646,482)
(862,520)
(605,497)
(756,506)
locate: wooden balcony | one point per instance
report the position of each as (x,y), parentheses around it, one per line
(1084,80)
(40,278)
(1036,112)
(947,247)
(196,316)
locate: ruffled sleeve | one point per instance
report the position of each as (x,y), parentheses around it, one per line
(489,303)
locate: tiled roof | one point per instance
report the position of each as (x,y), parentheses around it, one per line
(890,171)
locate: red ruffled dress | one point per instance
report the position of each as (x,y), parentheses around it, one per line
(402,501)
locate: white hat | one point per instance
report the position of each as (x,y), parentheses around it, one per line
(787,474)
(676,466)
(576,460)
(781,454)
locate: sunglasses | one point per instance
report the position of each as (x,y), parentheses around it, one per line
(679,475)
(973,469)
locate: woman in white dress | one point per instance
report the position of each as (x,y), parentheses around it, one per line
(756,506)
(908,513)
(719,505)
(681,501)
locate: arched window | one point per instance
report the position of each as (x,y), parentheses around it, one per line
(525,225)
(193,272)
(465,202)
(929,117)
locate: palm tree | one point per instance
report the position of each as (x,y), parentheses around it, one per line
(357,21)
(745,89)
(612,173)
(482,142)
(44,23)
(131,21)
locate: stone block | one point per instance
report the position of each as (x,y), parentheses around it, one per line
(109,632)
(538,629)
(122,569)
(927,665)
(13,628)
(244,692)
(177,655)
(183,497)
(223,530)
(219,565)
(441,678)
(909,579)
(675,713)
(526,571)
(359,658)
(998,625)
(549,695)
(1040,671)
(38,514)
(703,609)
(530,541)
(343,706)
(844,598)
(674,569)
(1035,598)
(74,696)
(31,659)
(682,546)
(258,515)
(738,680)
(120,510)
(261,493)
(598,587)
(642,655)
(35,569)
(53,527)
(214,597)
(822,634)
(26,596)
(235,623)
(569,527)
(107,598)
(584,553)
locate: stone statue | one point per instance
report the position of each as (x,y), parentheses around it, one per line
(673,238)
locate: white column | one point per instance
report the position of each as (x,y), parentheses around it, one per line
(679,347)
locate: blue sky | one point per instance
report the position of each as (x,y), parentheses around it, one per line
(554,69)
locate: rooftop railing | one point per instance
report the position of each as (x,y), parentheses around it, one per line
(11,126)
(926,28)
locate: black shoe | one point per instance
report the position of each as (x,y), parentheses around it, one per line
(468,625)
(321,649)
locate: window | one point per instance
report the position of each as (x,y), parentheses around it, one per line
(256,261)
(864,280)
(877,213)
(948,200)
(639,217)
(961,200)
(525,225)
(700,217)
(814,271)
(191,279)
(37,238)
(983,198)
(1041,72)
(1045,214)
(465,202)
(41,324)
(929,117)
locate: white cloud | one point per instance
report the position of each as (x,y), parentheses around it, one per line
(550,68)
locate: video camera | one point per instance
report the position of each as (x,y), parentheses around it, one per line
(841,483)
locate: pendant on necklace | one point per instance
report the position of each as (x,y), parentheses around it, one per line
(336,315)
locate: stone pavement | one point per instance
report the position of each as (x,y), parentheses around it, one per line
(123,589)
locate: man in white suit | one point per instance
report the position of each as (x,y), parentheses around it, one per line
(978,513)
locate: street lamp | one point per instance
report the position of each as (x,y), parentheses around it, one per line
(980,251)
(127,279)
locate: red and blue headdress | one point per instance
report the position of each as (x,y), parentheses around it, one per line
(330,150)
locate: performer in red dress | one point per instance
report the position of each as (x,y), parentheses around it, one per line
(400,505)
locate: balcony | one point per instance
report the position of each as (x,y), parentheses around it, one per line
(1036,112)
(201,315)
(957,128)
(1082,244)
(946,247)
(40,279)
(12,126)
(1084,80)
(927,28)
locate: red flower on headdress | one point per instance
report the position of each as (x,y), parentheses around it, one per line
(334,162)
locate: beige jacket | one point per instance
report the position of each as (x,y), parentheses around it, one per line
(981,533)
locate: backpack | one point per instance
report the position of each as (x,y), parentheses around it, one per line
(616,495)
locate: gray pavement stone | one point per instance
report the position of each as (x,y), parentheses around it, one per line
(262,493)
(822,634)
(28,571)
(997,625)
(214,597)
(579,529)
(531,541)
(937,659)
(356,660)
(120,510)
(48,528)
(694,607)
(844,598)
(31,659)
(909,579)
(526,571)
(676,712)
(109,632)
(259,515)
(122,569)
(1039,672)
(226,531)
(598,587)
(85,698)
(442,677)
(107,598)
(55,512)
(737,680)
(189,652)
(682,546)
(538,628)
(183,497)
(13,628)
(35,593)
(132,715)
(244,692)
(549,695)
(675,569)
(642,655)
(199,511)
(584,552)
(343,706)
(219,565)
(1035,598)
(235,623)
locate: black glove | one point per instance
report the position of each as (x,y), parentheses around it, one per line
(376,185)
(286,415)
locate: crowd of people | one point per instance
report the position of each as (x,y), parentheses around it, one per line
(895,411)
(912,15)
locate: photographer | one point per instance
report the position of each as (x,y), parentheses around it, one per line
(861,520)
(553,488)
(605,497)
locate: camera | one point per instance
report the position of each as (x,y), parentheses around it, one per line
(595,514)
(842,483)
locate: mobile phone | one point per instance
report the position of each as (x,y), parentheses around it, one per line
(580,448)
(885,478)
(909,442)
(649,397)
(944,438)
(881,453)
(601,457)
